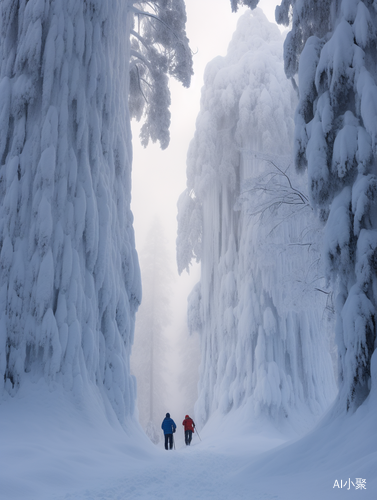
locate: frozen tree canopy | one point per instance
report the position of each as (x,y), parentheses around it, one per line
(69,273)
(246,217)
(332,50)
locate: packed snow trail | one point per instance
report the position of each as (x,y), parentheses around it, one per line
(232,463)
(238,459)
(200,471)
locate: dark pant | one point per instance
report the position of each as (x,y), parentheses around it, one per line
(168,439)
(188,437)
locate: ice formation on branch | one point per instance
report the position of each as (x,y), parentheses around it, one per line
(69,272)
(332,48)
(245,216)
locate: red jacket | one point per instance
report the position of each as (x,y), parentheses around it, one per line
(188,423)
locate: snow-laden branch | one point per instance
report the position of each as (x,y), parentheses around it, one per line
(161,45)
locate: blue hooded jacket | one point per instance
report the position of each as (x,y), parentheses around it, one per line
(168,425)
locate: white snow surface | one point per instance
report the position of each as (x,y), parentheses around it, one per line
(52,450)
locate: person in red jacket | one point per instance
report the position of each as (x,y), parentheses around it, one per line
(189,426)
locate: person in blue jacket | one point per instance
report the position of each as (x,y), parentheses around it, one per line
(169,427)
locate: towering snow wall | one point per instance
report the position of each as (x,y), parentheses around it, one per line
(245,215)
(69,275)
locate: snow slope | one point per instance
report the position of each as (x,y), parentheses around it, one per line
(88,459)
(52,444)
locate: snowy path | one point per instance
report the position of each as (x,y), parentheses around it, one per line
(249,463)
(198,472)
(64,453)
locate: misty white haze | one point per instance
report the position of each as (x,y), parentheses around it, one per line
(161,176)
(259,178)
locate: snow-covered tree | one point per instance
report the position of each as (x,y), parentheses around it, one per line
(261,339)
(69,273)
(150,350)
(332,49)
(159,49)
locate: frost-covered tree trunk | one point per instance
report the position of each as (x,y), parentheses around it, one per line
(332,47)
(261,337)
(69,274)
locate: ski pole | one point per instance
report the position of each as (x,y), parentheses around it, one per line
(196,430)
